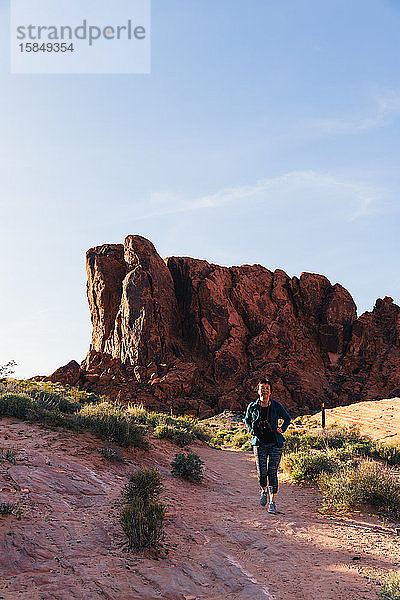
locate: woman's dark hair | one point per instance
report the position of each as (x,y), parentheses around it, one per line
(265,381)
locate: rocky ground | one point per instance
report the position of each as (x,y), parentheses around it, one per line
(220,544)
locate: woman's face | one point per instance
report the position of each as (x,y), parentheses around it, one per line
(264,391)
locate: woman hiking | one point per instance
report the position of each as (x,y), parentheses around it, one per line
(262,422)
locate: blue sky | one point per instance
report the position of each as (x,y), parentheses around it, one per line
(267,132)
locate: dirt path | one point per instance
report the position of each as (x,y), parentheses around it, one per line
(221,544)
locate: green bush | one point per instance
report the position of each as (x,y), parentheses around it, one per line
(366,483)
(8,508)
(295,440)
(201,432)
(16,405)
(187,466)
(112,454)
(333,437)
(182,437)
(143,524)
(145,484)
(22,406)
(240,438)
(246,446)
(391,587)
(8,454)
(186,423)
(112,422)
(220,438)
(390,453)
(307,466)
(137,413)
(54,401)
(142,516)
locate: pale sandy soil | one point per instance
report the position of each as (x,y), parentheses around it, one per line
(221,544)
(379,419)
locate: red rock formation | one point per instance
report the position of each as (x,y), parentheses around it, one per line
(192,335)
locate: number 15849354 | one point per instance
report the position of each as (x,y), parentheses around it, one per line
(49,47)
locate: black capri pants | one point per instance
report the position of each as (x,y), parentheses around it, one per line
(268,457)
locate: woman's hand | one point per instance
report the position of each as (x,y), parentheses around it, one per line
(279,429)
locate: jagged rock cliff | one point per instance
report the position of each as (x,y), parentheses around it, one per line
(187,334)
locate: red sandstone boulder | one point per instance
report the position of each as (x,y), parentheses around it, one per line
(190,335)
(68,374)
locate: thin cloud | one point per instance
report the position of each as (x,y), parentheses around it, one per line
(329,194)
(387,106)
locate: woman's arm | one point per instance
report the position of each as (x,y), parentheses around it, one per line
(286,419)
(248,420)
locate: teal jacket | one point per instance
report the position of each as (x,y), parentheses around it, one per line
(277,412)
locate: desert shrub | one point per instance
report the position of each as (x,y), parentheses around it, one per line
(112,454)
(22,406)
(202,432)
(367,482)
(8,454)
(306,466)
(361,447)
(390,589)
(220,438)
(112,422)
(332,437)
(154,418)
(54,401)
(246,446)
(182,437)
(187,466)
(137,413)
(142,516)
(186,423)
(8,508)
(143,524)
(145,484)
(295,440)
(390,453)
(16,405)
(240,437)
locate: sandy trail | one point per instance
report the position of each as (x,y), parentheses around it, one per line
(221,544)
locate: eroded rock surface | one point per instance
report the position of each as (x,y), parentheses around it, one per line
(220,544)
(190,335)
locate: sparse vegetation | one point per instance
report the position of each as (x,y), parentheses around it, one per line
(390,589)
(16,405)
(307,466)
(54,401)
(112,454)
(178,435)
(113,422)
(188,466)
(125,425)
(145,484)
(351,470)
(142,515)
(9,455)
(367,482)
(7,369)
(228,431)
(9,508)
(390,453)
